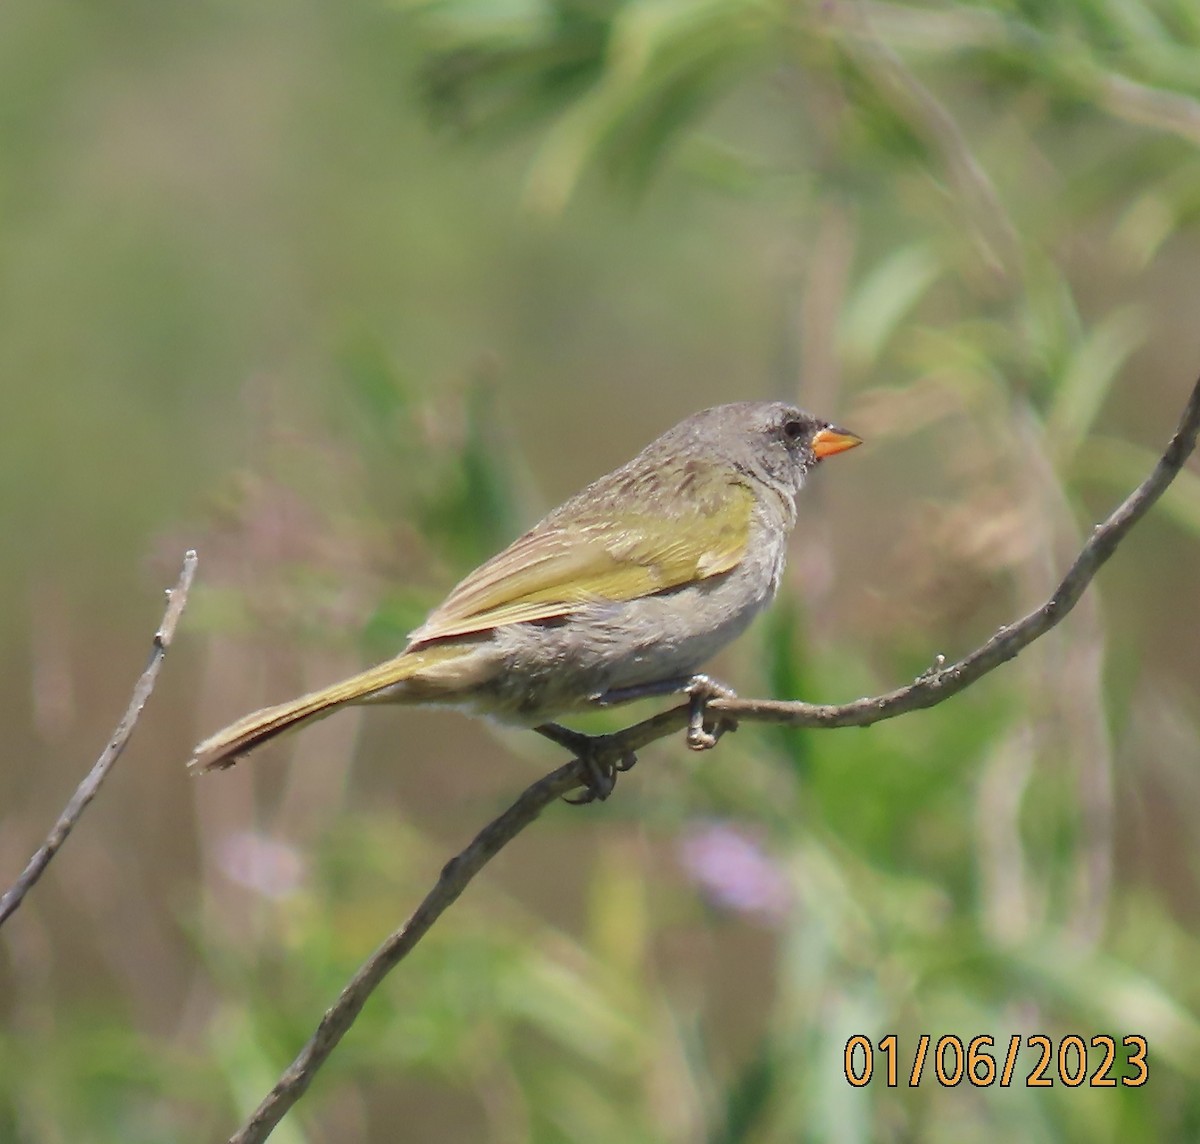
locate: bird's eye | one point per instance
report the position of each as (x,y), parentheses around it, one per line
(793,430)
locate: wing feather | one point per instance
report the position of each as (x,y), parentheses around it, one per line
(593,548)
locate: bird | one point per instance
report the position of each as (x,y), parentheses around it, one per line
(622,592)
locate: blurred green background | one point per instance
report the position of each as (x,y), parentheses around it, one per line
(343,296)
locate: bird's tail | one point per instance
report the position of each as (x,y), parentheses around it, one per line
(225,747)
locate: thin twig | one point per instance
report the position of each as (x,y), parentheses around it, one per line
(936,685)
(941,682)
(453,880)
(86,791)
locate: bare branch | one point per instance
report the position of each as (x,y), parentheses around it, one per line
(941,682)
(453,880)
(86,791)
(936,685)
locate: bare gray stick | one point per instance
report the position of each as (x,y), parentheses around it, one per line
(453,880)
(86,791)
(936,685)
(940,682)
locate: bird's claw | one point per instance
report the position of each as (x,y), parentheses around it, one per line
(600,769)
(702,733)
(599,776)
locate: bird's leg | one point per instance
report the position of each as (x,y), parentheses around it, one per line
(699,688)
(703,734)
(643,691)
(600,771)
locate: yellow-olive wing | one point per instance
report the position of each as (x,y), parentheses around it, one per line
(599,548)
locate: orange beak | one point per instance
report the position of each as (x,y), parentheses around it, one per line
(831,440)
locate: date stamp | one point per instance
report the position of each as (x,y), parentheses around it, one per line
(1071,1062)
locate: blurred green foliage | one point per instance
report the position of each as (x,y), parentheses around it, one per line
(344,295)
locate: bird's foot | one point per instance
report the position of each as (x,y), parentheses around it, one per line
(600,765)
(703,733)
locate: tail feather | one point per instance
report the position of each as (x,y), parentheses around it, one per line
(225,747)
